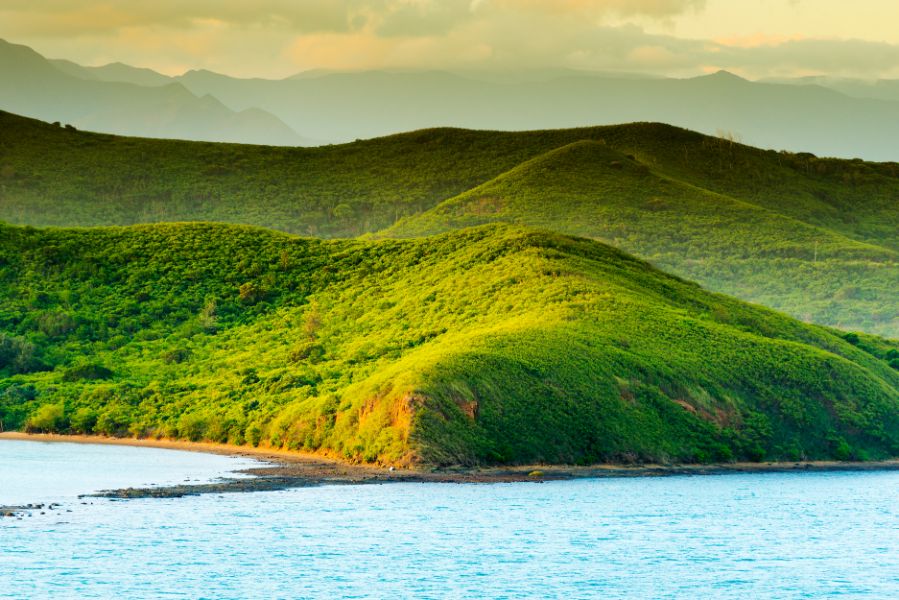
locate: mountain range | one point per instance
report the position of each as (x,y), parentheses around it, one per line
(36,87)
(344,106)
(878,89)
(828,117)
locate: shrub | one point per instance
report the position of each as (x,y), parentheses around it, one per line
(251,293)
(176,355)
(17,355)
(56,324)
(88,372)
(192,426)
(307,351)
(113,421)
(83,420)
(254,434)
(47,418)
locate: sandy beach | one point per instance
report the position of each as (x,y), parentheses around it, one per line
(281,469)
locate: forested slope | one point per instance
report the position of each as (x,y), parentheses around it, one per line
(816,238)
(489,345)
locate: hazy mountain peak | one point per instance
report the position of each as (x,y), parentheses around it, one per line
(118,71)
(723,76)
(204,75)
(20,56)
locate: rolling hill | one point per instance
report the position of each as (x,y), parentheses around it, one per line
(745,249)
(490,345)
(816,238)
(39,88)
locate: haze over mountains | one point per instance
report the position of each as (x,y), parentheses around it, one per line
(63,92)
(829,117)
(344,106)
(879,89)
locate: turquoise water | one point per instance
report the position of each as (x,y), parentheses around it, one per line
(44,472)
(798,535)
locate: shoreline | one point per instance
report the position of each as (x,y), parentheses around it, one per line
(262,454)
(284,469)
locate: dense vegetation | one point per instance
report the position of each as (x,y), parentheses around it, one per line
(489,345)
(816,238)
(748,250)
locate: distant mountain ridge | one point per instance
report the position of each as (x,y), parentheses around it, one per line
(65,92)
(827,116)
(880,89)
(345,106)
(113,72)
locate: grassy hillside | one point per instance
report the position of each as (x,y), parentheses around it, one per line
(817,238)
(489,345)
(68,178)
(745,249)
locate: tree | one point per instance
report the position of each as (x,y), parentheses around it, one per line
(343,212)
(312,320)
(251,293)
(208,316)
(16,354)
(83,420)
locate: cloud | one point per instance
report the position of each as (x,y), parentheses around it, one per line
(651,8)
(75,17)
(273,38)
(846,58)
(389,17)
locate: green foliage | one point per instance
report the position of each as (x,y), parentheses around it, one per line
(47,418)
(814,237)
(489,345)
(86,372)
(742,242)
(251,293)
(17,355)
(84,420)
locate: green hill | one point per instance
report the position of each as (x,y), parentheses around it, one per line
(489,345)
(816,238)
(745,249)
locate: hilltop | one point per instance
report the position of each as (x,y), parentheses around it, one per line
(489,345)
(817,238)
(743,248)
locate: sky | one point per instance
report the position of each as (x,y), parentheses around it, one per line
(278,38)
